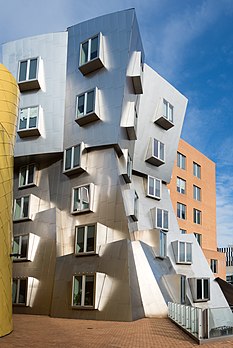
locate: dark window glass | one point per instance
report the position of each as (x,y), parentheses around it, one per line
(23,71)
(90,238)
(22,291)
(94,47)
(33,69)
(89,291)
(80,240)
(90,102)
(199,289)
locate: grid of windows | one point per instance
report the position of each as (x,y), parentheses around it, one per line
(181,211)
(196,193)
(153,187)
(85,239)
(162,219)
(181,160)
(28,70)
(196,170)
(181,185)
(196,216)
(83,291)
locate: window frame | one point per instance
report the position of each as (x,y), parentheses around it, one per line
(27,129)
(27,184)
(187,252)
(85,95)
(18,257)
(89,40)
(85,252)
(159,150)
(163,227)
(197,193)
(162,244)
(181,160)
(72,166)
(158,197)
(18,291)
(28,60)
(179,188)
(179,211)
(22,199)
(203,298)
(89,189)
(198,237)
(214,265)
(82,305)
(197,216)
(168,111)
(196,170)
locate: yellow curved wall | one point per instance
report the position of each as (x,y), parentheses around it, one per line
(9,97)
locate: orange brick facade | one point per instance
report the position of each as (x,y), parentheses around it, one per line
(206,187)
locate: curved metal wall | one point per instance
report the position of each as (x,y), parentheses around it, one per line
(9,97)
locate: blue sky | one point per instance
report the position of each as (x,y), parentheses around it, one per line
(188,42)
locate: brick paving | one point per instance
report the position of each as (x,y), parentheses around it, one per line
(41,331)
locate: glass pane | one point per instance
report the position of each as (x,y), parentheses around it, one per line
(17,211)
(68,155)
(129,167)
(84,198)
(80,108)
(157,188)
(89,291)
(16,246)
(76,162)
(199,289)
(188,252)
(31,174)
(80,240)
(170,113)
(24,246)
(162,244)
(90,102)
(84,53)
(183,211)
(94,47)
(165,219)
(206,288)
(23,71)
(25,207)
(33,69)
(22,178)
(161,151)
(76,203)
(165,109)
(33,117)
(151,186)
(182,252)
(23,118)
(22,291)
(159,218)
(77,291)
(156,148)
(91,238)
(14,290)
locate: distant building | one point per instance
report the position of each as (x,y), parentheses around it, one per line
(94,228)
(228,251)
(193,195)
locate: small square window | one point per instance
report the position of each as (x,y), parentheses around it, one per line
(27,175)
(182,231)
(181,160)
(196,170)
(82,198)
(181,211)
(83,291)
(28,121)
(86,107)
(214,265)
(181,185)
(91,55)
(154,187)
(28,74)
(196,216)
(200,288)
(162,219)
(21,208)
(85,237)
(196,193)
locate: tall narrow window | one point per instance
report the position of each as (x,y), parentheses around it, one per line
(181,211)
(198,237)
(19,291)
(167,110)
(196,193)
(180,185)
(21,208)
(196,170)
(162,219)
(135,214)
(153,187)
(196,216)
(83,291)
(72,157)
(214,265)
(162,244)
(27,175)
(20,247)
(85,239)
(181,160)
(182,289)
(158,150)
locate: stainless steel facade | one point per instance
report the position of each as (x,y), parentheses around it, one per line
(107,135)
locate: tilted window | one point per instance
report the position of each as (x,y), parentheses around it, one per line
(87,107)
(198,237)
(162,219)
(28,73)
(168,110)
(154,187)
(91,55)
(72,157)
(85,237)
(19,291)
(21,208)
(196,170)
(83,290)
(182,251)
(162,244)
(82,198)
(20,247)
(156,152)
(181,160)
(27,175)
(28,121)
(181,211)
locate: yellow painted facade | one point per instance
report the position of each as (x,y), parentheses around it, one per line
(9,97)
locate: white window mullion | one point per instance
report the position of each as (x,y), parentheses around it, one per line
(28,118)
(17,291)
(85,104)
(89,50)
(83,290)
(72,158)
(21,207)
(85,240)
(28,68)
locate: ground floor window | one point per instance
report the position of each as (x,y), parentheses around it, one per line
(83,290)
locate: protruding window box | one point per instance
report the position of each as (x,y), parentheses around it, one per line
(91,54)
(28,124)
(89,238)
(82,199)
(87,107)
(24,291)
(200,288)
(182,252)
(25,208)
(156,153)
(129,120)
(131,204)
(165,115)
(74,160)
(27,176)
(154,187)
(24,247)
(135,71)
(126,166)
(28,74)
